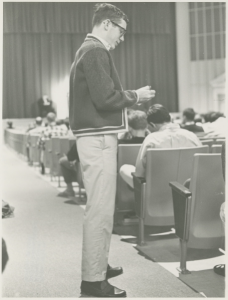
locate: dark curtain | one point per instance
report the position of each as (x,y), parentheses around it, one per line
(40,41)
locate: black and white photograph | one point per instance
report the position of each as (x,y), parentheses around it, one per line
(113,155)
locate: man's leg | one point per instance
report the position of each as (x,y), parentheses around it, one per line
(125,173)
(98,158)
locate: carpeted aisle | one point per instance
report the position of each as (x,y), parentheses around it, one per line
(44,244)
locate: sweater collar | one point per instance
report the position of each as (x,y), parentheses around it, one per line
(106,44)
(169,126)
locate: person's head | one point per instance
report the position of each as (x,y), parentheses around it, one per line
(51,117)
(214,116)
(211,116)
(157,116)
(109,23)
(188,115)
(137,123)
(39,121)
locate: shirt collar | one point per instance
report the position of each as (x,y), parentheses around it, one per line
(190,123)
(169,126)
(106,44)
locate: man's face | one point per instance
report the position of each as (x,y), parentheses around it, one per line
(116,32)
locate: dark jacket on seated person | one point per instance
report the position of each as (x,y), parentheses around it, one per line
(192,127)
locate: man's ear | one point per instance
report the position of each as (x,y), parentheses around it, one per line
(106,23)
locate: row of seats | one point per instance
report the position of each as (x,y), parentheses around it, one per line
(215,145)
(127,154)
(157,205)
(197,209)
(55,148)
(193,211)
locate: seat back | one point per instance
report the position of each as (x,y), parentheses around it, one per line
(216,148)
(34,150)
(48,153)
(219,141)
(55,168)
(208,193)
(208,142)
(64,145)
(163,166)
(127,154)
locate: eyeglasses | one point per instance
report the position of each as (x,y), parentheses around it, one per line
(122,31)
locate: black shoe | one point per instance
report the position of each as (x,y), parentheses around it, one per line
(113,272)
(101,289)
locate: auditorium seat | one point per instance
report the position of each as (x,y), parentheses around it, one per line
(208,142)
(64,145)
(48,153)
(34,151)
(216,148)
(127,154)
(25,139)
(219,141)
(197,209)
(153,197)
(56,154)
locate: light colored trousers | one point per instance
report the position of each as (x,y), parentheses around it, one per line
(125,173)
(98,158)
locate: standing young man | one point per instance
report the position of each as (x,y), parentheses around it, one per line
(97,114)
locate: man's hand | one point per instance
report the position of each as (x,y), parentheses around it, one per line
(145,94)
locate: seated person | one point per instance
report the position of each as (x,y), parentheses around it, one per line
(69,170)
(38,123)
(188,122)
(137,128)
(217,128)
(45,106)
(211,116)
(167,135)
(51,130)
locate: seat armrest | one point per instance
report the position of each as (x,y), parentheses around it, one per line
(180,188)
(139,191)
(139,179)
(181,206)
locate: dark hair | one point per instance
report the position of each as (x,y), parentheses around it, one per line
(59,122)
(103,11)
(158,114)
(51,117)
(189,113)
(137,120)
(212,116)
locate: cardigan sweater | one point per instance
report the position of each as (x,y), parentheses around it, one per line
(96,98)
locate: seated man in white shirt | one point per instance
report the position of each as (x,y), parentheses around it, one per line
(167,135)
